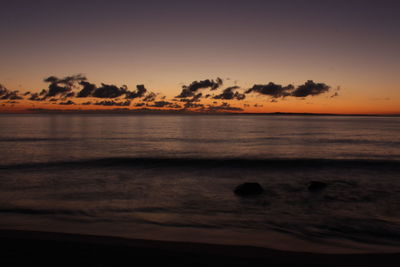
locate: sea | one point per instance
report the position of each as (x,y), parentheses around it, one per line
(172,177)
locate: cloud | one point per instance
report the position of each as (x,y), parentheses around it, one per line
(73,87)
(335,94)
(140,92)
(229,94)
(43,92)
(193,105)
(113,103)
(55,89)
(70,81)
(195,98)
(162,104)
(62,86)
(310,88)
(150,97)
(271,89)
(69,102)
(87,89)
(223,107)
(35,97)
(70,94)
(190,90)
(110,91)
(9,95)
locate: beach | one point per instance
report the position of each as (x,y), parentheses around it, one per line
(20,248)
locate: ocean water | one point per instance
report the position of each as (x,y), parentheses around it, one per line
(171,177)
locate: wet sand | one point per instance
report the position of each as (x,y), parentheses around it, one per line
(28,248)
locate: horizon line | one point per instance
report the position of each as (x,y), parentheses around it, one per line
(122,111)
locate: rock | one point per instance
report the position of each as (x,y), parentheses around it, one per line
(315,186)
(249,189)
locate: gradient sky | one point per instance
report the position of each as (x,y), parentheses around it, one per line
(165,44)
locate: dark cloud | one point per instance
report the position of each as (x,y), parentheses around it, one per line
(217,84)
(51,79)
(190,90)
(150,97)
(69,102)
(55,89)
(162,104)
(72,80)
(68,80)
(70,94)
(271,89)
(62,86)
(35,97)
(193,105)
(195,98)
(140,92)
(9,95)
(335,94)
(77,86)
(110,91)
(87,89)
(223,107)
(279,91)
(113,103)
(229,94)
(310,88)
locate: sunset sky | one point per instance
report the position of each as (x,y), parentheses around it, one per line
(351,46)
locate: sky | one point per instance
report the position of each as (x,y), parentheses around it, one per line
(349,49)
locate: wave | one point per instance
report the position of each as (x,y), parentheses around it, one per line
(212,162)
(29,139)
(29,211)
(291,138)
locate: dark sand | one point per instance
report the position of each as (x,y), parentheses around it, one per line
(25,248)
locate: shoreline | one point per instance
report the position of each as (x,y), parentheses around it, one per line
(22,247)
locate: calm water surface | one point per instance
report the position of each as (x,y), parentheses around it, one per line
(44,138)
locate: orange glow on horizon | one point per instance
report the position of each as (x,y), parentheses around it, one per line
(298,106)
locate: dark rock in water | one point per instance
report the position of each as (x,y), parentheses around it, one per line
(248,189)
(315,186)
